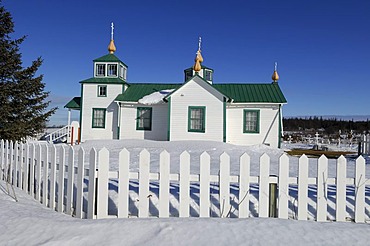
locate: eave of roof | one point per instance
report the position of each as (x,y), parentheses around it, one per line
(104,80)
(75,103)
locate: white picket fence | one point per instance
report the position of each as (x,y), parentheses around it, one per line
(60,179)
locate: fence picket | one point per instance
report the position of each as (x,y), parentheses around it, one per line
(360,180)
(6,160)
(80,178)
(102,199)
(263,194)
(123,184)
(283,196)
(9,171)
(70,177)
(21,165)
(32,162)
(204,203)
(52,177)
(302,187)
(38,172)
(62,153)
(184,195)
(144,195)
(26,167)
(244,191)
(164,184)
(224,182)
(16,164)
(45,175)
(341,189)
(2,153)
(91,202)
(322,177)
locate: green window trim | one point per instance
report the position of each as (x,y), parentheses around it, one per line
(252,125)
(144,120)
(98,117)
(196,123)
(102,91)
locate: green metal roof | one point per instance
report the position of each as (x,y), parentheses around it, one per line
(104,80)
(239,93)
(108,58)
(137,91)
(252,93)
(75,103)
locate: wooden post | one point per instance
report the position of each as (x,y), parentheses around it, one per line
(72,131)
(272,199)
(79,136)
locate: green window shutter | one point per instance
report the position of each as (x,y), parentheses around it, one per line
(98,117)
(196,119)
(251,121)
(144,118)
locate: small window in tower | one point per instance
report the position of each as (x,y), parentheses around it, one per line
(122,72)
(112,69)
(208,75)
(100,70)
(188,74)
(102,90)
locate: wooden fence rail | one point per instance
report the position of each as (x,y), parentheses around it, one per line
(60,179)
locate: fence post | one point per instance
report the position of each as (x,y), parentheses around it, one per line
(272,199)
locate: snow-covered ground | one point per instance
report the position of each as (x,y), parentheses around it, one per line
(28,222)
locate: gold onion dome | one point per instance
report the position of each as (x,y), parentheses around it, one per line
(198,59)
(111,47)
(275,75)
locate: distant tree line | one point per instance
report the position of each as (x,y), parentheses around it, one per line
(328,126)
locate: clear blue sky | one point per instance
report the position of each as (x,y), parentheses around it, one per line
(322,47)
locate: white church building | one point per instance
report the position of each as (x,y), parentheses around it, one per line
(197,109)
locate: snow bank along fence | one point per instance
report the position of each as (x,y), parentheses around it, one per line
(52,176)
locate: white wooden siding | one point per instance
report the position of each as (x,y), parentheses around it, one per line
(268,128)
(90,100)
(197,93)
(159,122)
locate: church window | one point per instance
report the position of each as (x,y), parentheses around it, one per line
(251,121)
(112,69)
(102,90)
(144,118)
(100,70)
(98,118)
(196,119)
(208,75)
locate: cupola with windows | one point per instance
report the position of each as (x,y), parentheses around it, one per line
(110,66)
(203,71)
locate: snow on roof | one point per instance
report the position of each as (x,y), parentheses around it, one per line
(155,97)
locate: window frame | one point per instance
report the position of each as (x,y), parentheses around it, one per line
(245,111)
(138,118)
(93,118)
(203,119)
(209,72)
(188,74)
(96,69)
(106,91)
(122,71)
(108,70)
